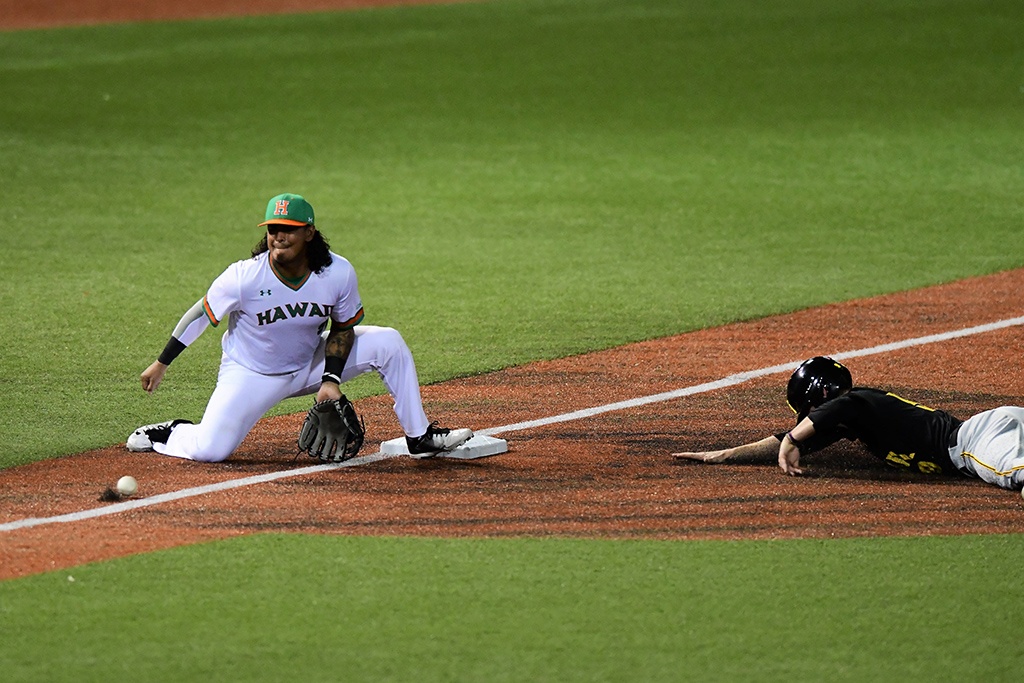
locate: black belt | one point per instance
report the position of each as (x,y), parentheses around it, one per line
(954,435)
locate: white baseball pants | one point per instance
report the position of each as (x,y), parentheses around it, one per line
(243,396)
(990,446)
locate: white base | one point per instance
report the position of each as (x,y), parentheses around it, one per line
(477,447)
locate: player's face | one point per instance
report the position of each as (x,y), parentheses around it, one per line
(287,243)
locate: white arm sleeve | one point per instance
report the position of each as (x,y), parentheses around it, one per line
(192,324)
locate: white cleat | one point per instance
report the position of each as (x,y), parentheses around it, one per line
(143,438)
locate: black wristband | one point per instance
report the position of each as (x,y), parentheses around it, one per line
(171,351)
(334,366)
(799,444)
(330,377)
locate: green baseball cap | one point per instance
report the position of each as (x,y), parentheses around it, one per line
(289,209)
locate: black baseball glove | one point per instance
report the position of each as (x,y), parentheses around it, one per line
(332,431)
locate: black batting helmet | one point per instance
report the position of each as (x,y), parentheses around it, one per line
(816,381)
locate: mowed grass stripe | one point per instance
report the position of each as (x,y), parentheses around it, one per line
(273,607)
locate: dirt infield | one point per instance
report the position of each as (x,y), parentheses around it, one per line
(609,475)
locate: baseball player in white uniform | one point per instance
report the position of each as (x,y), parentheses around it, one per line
(293,317)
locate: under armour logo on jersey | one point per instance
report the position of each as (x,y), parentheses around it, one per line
(281,207)
(264,292)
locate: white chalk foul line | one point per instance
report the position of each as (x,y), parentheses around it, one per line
(741,377)
(136,503)
(728,381)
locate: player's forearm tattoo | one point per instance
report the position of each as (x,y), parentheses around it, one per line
(339,345)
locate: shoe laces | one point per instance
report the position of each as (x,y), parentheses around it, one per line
(435,429)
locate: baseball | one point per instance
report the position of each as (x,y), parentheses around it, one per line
(127,486)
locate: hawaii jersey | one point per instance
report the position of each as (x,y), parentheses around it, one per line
(903,433)
(274,325)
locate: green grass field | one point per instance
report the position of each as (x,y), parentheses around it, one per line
(257,609)
(513,180)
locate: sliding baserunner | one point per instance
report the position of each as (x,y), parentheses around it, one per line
(905,434)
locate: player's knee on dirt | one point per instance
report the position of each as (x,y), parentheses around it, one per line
(213,446)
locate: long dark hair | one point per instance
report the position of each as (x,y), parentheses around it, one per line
(318,251)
